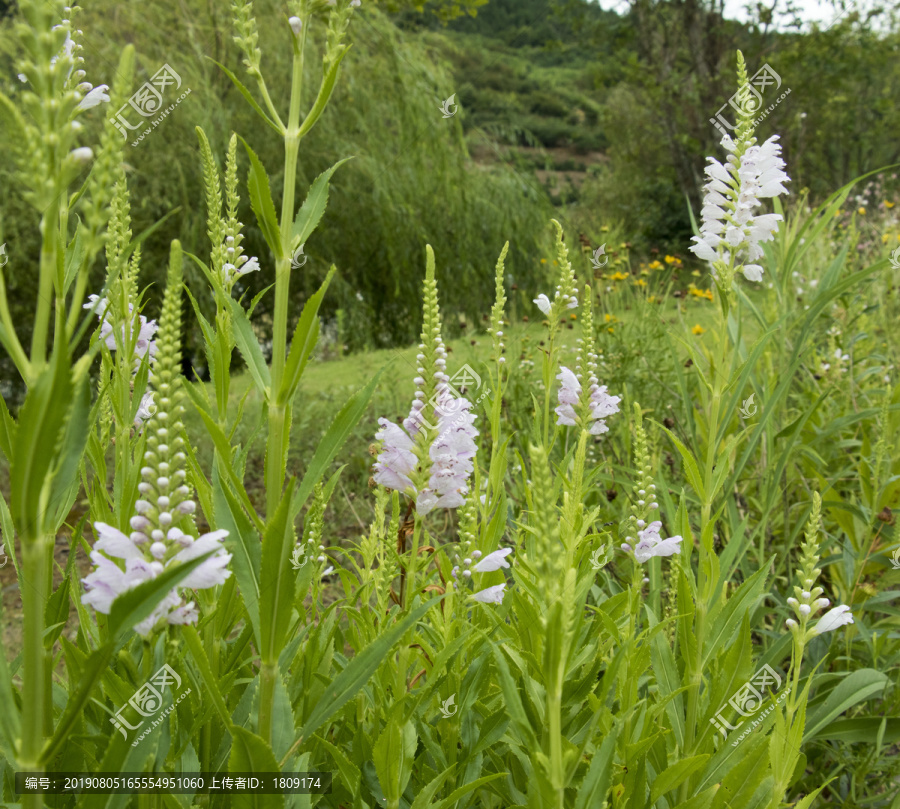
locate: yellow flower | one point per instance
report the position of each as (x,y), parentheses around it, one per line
(696,273)
(555,261)
(698,329)
(618,276)
(862,211)
(656,265)
(608,318)
(889,205)
(543,261)
(640,282)
(611,330)
(574,317)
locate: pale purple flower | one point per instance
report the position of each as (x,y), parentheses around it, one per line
(490,595)
(396,462)
(493,561)
(543,303)
(831,620)
(600,402)
(452,454)
(649,543)
(108,581)
(569,395)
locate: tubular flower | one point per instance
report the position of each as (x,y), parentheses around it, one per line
(144,345)
(730,229)
(490,595)
(95,96)
(431,456)
(650,545)
(158,538)
(452,455)
(831,620)
(493,561)
(577,406)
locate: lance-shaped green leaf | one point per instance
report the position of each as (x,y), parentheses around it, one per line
(854,688)
(247,95)
(393,756)
(724,620)
(592,791)
(691,469)
(248,345)
(306,335)
(672,777)
(35,448)
(261,202)
(137,604)
(277,579)
(325,90)
(243,544)
(359,670)
(310,213)
(250,753)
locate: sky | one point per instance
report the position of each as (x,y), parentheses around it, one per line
(821,11)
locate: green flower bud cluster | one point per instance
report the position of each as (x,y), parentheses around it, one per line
(247,35)
(497,310)
(643,493)
(48,156)
(565,297)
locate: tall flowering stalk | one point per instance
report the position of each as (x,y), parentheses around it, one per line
(731,232)
(431,457)
(564,299)
(46,141)
(806,603)
(162,525)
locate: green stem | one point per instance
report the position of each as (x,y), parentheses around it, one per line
(45,288)
(411,570)
(37,552)
(277,408)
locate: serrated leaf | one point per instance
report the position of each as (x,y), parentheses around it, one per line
(276,580)
(261,202)
(250,753)
(306,335)
(672,777)
(248,345)
(313,207)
